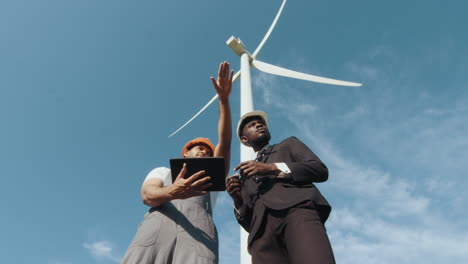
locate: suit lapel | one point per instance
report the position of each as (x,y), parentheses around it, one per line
(268,151)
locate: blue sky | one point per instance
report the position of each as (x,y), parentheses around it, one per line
(90,90)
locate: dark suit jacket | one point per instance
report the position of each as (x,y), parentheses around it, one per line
(262,192)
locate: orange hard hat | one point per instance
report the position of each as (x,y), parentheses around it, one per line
(197,141)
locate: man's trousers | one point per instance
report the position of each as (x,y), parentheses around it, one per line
(294,236)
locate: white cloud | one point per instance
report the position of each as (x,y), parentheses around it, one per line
(358,112)
(370,239)
(384,220)
(266,81)
(366,183)
(102,250)
(229,247)
(396,158)
(223,199)
(228,230)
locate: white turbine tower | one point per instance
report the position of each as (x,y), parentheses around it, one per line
(246,103)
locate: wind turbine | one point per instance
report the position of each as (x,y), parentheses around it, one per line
(249,60)
(246,103)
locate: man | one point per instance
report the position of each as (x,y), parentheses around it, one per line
(178,228)
(275,199)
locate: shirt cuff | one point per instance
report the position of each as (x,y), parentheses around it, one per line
(237,213)
(285,171)
(235,210)
(283,167)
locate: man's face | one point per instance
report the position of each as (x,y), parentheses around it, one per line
(198,151)
(255,131)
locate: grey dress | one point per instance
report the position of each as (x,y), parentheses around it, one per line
(178,232)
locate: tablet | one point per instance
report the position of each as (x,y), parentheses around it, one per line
(213,166)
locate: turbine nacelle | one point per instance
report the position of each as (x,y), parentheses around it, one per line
(237,46)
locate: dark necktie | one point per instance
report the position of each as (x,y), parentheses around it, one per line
(260,155)
(259,158)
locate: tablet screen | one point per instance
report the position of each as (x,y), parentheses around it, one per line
(214,167)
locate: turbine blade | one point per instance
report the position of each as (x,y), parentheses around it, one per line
(272,69)
(195,116)
(254,55)
(234,78)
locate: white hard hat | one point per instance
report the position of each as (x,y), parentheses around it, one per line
(247,115)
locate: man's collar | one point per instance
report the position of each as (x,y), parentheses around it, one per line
(263,149)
